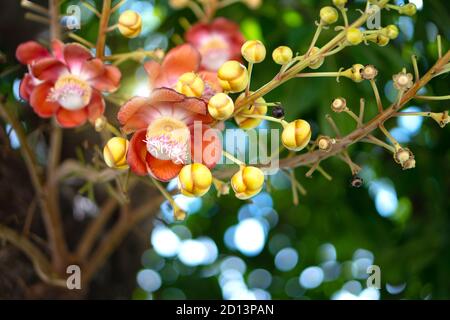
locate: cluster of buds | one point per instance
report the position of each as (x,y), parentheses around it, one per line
(130,24)
(405,158)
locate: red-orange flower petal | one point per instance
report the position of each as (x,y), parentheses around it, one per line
(75,55)
(70,119)
(26,87)
(109,80)
(179,60)
(163,170)
(48,69)
(31,51)
(40,103)
(206,145)
(96,106)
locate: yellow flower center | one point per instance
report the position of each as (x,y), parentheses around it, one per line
(71,92)
(168,139)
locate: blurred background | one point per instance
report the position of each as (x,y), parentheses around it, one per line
(267,248)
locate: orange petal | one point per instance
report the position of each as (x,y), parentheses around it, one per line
(31,51)
(179,60)
(48,69)
(137,152)
(206,145)
(96,106)
(70,119)
(163,170)
(40,103)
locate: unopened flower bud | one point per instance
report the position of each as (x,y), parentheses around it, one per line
(296,135)
(233,76)
(247,182)
(220,106)
(339,105)
(381,40)
(253,51)
(179,4)
(340,3)
(354,73)
(354,36)
(100,123)
(328,15)
(409,9)
(316,63)
(194,180)
(259,107)
(130,24)
(391,31)
(191,85)
(115,153)
(409,164)
(282,55)
(369,72)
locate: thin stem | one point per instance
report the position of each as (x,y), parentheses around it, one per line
(315,38)
(432,98)
(318,74)
(250,70)
(226,3)
(179,214)
(372,139)
(91,8)
(118,5)
(353,115)
(37,18)
(232,158)
(197,10)
(34,7)
(362,105)
(439,45)
(81,40)
(268,118)
(344,15)
(104,20)
(377,95)
(416,67)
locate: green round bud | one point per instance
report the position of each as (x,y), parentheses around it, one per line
(328,15)
(391,31)
(354,36)
(340,3)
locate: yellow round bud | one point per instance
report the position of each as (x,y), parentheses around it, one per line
(220,106)
(253,51)
(391,31)
(247,182)
(340,3)
(282,55)
(409,9)
(328,15)
(354,36)
(190,84)
(115,153)
(382,40)
(130,24)
(178,4)
(233,76)
(194,180)
(296,135)
(259,107)
(316,63)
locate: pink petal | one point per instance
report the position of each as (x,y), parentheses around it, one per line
(96,106)
(92,69)
(155,77)
(109,80)
(75,55)
(136,114)
(31,51)
(40,103)
(58,49)
(206,145)
(48,69)
(179,60)
(70,119)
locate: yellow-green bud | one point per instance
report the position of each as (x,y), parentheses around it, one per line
(253,51)
(354,36)
(328,15)
(282,55)
(409,9)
